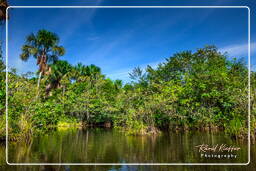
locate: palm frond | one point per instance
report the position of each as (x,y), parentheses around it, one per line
(25,53)
(31,39)
(24,56)
(58,50)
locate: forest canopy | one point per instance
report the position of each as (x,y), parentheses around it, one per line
(190,90)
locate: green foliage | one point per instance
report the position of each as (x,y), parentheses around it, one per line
(213,89)
(43,43)
(45,114)
(234,126)
(2,82)
(189,90)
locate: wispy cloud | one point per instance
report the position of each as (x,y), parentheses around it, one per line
(93,38)
(23,67)
(238,50)
(71,25)
(85,17)
(123,74)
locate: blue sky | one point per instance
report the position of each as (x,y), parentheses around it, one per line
(117,40)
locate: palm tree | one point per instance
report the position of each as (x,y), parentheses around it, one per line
(79,70)
(91,71)
(118,84)
(44,47)
(3,6)
(57,72)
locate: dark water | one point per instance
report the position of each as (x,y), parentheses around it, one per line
(109,146)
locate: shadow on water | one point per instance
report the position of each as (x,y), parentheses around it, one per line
(110,146)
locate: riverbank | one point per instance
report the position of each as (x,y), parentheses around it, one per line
(146,130)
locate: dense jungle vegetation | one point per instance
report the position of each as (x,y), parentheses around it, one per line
(204,89)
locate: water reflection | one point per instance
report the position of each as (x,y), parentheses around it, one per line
(109,146)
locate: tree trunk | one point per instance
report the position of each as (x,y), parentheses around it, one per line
(63,92)
(87,114)
(38,84)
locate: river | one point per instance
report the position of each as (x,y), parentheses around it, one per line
(98,145)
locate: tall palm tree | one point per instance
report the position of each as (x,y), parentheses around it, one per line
(3,6)
(44,47)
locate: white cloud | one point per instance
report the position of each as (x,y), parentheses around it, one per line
(238,50)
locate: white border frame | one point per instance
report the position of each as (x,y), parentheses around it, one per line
(249,72)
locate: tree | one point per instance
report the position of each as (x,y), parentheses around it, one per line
(91,71)
(3,6)
(57,71)
(2,83)
(2,65)
(79,71)
(44,47)
(139,77)
(118,84)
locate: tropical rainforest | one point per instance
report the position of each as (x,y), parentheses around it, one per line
(203,90)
